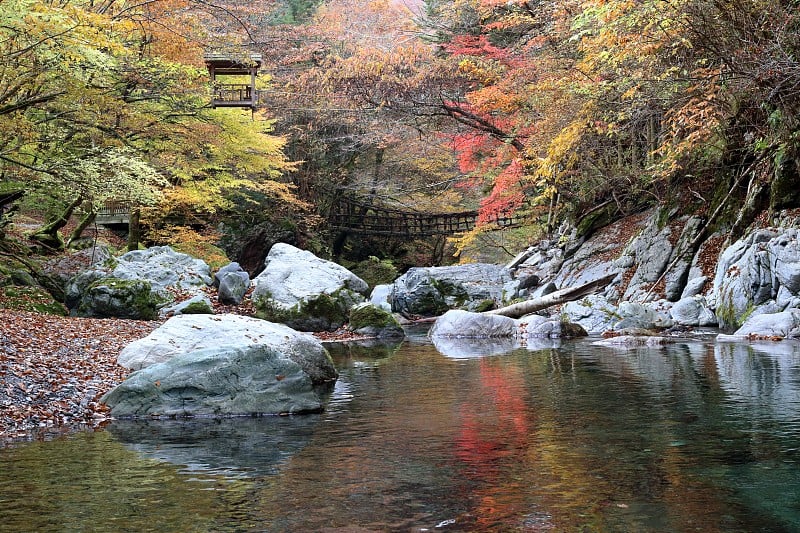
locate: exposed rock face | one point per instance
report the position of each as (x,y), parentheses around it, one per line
(756,275)
(116,289)
(204,365)
(305,292)
(431,291)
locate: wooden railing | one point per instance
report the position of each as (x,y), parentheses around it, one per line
(114,212)
(233,93)
(369,219)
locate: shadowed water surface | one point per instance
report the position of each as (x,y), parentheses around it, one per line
(693,436)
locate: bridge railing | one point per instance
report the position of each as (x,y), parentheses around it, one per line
(374,220)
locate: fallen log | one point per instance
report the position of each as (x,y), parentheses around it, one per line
(554,298)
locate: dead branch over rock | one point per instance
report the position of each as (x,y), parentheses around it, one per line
(554,298)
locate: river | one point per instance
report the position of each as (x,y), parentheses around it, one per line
(692,436)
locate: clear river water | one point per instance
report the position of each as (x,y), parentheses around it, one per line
(459,436)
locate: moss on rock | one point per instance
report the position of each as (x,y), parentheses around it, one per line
(120,298)
(371,320)
(322,312)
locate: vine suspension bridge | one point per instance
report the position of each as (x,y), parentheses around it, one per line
(350,214)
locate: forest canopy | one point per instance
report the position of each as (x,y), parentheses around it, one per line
(545,110)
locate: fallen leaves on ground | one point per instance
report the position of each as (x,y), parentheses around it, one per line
(53,370)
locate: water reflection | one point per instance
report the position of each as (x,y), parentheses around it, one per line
(367,349)
(469,348)
(232,447)
(689,436)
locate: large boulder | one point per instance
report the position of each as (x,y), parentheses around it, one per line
(186,333)
(165,269)
(120,298)
(430,291)
(251,380)
(219,365)
(693,311)
(116,288)
(305,292)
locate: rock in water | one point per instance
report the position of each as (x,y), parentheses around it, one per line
(305,292)
(253,380)
(221,365)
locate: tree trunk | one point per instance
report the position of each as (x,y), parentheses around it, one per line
(87,219)
(559,297)
(134,230)
(48,234)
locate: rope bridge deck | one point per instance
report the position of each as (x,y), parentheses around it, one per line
(369,219)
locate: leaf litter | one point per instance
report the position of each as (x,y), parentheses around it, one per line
(53,370)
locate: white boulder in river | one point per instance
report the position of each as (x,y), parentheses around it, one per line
(304,291)
(221,365)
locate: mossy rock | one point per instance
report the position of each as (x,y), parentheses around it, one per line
(197,308)
(372,321)
(120,298)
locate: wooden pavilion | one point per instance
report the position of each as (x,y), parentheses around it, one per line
(236,94)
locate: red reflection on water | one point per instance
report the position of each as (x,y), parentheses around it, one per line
(494,433)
